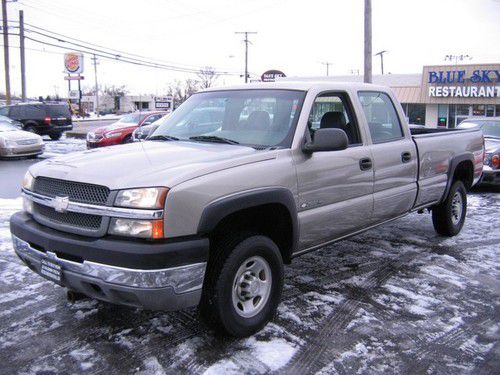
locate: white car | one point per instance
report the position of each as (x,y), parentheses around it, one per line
(15,142)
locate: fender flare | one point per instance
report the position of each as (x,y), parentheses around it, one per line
(451,171)
(221,208)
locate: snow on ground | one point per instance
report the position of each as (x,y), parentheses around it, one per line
(397,299)
(62,146)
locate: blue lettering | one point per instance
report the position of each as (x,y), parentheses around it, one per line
(433,77)
(485,76)
(475,77)
(461,75)
(450,76)
(497,72)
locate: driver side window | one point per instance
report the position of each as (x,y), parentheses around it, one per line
(331,110)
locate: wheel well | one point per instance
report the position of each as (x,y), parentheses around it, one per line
(464,172)
(271,220)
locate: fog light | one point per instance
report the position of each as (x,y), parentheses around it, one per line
(136,228)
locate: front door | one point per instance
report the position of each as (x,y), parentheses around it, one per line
(335,187)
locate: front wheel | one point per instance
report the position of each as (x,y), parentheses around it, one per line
(55,136)
(243,285)
(448,217)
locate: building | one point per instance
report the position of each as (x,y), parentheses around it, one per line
(126,103)
(443,95)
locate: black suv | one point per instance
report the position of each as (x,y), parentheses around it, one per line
(41,118)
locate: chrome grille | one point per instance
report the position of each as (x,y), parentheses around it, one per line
(75,219)
(25,142)
(76,191)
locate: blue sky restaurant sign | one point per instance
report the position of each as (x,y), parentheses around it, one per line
(481,83)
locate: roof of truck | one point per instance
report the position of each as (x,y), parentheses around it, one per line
(302,85)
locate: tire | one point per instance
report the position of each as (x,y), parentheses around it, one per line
(55,137)
(30,129)
(243,284)
(448,217)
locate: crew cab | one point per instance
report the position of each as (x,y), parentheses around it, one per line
(121,131)
(208,215)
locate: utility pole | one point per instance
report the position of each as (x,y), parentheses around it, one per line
(246,50)
(6,51)
(381,54)
(327,63)
(23,58)
(94,59)
(368,42)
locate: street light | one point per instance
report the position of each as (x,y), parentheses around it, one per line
(381,54)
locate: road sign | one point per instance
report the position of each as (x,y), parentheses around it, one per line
(73,62)
(164,102)
(271,75)
(73,94)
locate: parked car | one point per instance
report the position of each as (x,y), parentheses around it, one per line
(41,118)
(490,126)
(121,131)
(15,142)
(209,214)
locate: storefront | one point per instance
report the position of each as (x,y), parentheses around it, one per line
(448,94)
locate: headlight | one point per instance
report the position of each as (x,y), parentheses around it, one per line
(142,198)
(136,228)
(495,161)
(28,181)
(112,135)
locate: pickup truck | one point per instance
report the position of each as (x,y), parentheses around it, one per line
(207,213)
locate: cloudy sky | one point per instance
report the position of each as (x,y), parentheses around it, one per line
(294,36)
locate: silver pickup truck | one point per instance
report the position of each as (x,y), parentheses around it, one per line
(207,211)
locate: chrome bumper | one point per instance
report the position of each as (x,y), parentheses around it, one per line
(169,288)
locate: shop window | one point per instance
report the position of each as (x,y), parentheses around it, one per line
(416,114)
(478,110)
(462,110)
(490,110)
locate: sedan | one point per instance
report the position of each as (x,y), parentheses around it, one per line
(121,131)
(15,142)
(491,131)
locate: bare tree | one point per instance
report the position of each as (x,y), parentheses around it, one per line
(181,90)
(208,76)
(115,90)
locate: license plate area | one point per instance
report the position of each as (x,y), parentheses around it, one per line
(51,270)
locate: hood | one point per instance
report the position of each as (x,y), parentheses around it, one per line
(16,135)
(114,126)
(491,145)
(152,163)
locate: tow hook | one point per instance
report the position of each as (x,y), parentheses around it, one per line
(73,296)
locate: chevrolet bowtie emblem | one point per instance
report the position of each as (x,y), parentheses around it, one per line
(61,204)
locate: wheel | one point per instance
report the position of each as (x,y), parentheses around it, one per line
(55,137)
(243,285)
(30,129)
(448,217)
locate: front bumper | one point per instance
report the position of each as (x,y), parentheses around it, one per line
(16,151)
(175,284)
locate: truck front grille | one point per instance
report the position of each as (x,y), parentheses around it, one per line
(76,191)
(74,219)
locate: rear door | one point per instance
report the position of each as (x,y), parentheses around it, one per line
(394,153)
(335,189)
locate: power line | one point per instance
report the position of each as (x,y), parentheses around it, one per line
(246,50)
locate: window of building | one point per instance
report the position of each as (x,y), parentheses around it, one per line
(462,110)
(478,110)
(490,110)
(331,110)
(381,116)
(416,114)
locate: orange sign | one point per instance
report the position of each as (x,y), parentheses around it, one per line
(73,63)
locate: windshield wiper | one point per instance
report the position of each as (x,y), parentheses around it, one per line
(162,137)
(214,138)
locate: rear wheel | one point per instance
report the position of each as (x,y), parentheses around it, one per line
(448,217)
(30,129)
(243,285)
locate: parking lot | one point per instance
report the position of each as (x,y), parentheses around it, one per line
(396,299)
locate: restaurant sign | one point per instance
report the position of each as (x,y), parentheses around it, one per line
(481,83)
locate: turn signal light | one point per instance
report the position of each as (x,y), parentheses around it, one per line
(157,230)
(495,161)
(47,120)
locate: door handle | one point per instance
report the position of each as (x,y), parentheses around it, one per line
(365,164)
(406,157)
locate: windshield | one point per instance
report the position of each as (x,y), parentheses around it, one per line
(4,127)
(133,118)
(257,118)
(61,110)
(489,128)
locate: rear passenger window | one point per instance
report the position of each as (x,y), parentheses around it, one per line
(331,110)
(381,116)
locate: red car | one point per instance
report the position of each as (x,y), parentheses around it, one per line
(121,131)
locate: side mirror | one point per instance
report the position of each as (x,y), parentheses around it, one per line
(330,139)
